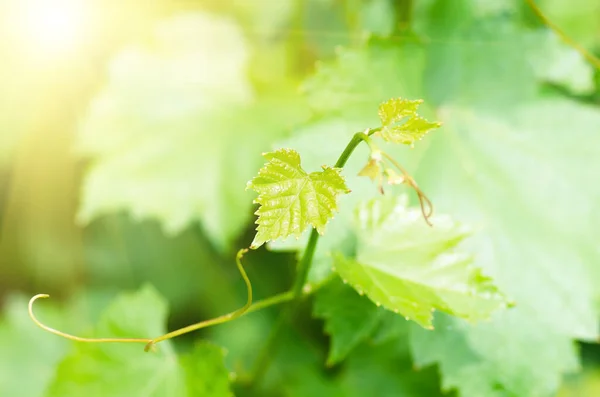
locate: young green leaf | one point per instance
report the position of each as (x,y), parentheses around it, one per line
(411,268)
(291,199)
(401,123)
(349,318)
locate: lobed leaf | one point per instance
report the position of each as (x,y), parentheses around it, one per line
(291,199)
(413,269)
(532,194)
(400,122)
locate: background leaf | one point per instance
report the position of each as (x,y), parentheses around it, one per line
(135,315)
(165,119)
(349,318)
(144,121)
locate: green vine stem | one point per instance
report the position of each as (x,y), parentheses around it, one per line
(293,295)
(585,53)
(73,337)
(263,361)
(151,342)
(215,321)
(256,306)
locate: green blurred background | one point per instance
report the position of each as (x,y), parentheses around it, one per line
(128,130)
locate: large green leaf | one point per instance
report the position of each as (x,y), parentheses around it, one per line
(123,369)
(118,369)
(504,360)
(351,85)
(291,199)
(173,135)
(371,369)
(531,194)
(521,169)
(412,268)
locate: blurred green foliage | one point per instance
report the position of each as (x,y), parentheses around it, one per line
(124,162)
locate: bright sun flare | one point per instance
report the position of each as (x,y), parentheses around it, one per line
(55,27)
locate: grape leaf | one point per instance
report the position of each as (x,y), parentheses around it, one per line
(477,59)
(349,318)
(401,123)
(123,369)
(290,199)
(532,197)
(329,133)
(411,268)
(510,371)
(386,370)
(168,140)
(504,165)
(100,369)
(383,369)
(351,85)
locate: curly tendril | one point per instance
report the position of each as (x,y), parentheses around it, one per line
(424,202)
(148,341)
(77,338)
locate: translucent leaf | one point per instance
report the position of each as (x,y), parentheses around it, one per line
(411,268)
(531,192)
(359,80)
(394,110)
(329,133)
(349,318)
(290,199)
(477,368)
(173,138)
(401,123)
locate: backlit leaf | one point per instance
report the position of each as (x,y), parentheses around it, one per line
(291,199)
(401,123)
(412,269)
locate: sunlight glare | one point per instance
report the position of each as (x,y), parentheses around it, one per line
(52,27)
